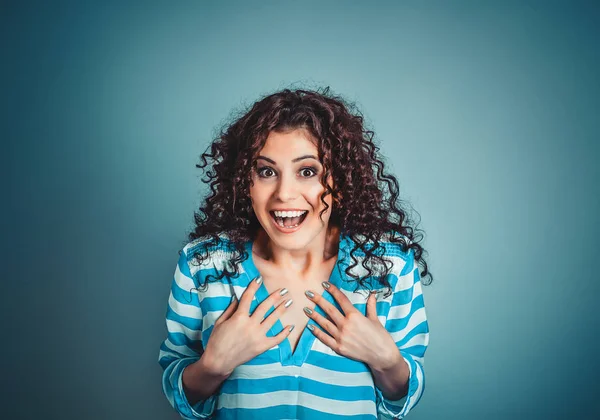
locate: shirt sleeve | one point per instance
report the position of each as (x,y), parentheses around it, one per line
(407,324)
(183,345)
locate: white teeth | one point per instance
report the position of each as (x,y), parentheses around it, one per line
(289,213)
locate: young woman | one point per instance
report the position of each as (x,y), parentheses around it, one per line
(298,294)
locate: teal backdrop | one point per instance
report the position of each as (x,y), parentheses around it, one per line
(487,112)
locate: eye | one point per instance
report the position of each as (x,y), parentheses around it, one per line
(265,172)
(308,172)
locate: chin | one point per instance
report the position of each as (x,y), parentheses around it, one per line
(295,237)
(297,240)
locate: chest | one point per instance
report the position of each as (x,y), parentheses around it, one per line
(294,314)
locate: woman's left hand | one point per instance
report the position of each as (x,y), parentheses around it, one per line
(353,335)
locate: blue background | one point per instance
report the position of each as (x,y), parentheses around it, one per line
(487,112)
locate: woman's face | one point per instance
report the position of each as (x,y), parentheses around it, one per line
(286,190)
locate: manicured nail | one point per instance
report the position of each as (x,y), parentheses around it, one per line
(311,327)
(309,294)
(283,292)
(308,311)
(288,303)
(291,328)
(325,284)
(233,298)
(258,279)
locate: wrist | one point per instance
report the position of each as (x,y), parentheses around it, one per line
(386,361)
(209,364)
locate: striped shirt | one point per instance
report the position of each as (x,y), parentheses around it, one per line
(312,381)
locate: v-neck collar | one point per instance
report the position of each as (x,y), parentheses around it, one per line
(306,340)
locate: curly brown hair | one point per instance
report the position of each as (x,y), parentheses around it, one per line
(366,206)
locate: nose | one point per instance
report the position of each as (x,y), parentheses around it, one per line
(287,189)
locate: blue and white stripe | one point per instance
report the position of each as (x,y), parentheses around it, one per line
(324,385)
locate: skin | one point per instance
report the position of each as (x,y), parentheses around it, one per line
(283,181)
(239,336)
(287,176)
(363,338)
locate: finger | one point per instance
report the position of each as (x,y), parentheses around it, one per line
(278,339)
(326,324)
(275,315)
(324,338)
(339,297)
(372,306)
(249,294)
(273,299)
(332,312)
(229,311)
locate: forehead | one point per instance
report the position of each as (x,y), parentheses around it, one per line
(288,145)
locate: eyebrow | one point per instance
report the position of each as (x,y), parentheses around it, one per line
(293,160)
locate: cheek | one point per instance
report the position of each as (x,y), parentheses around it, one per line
(255,199)
(313,195)
(260,195)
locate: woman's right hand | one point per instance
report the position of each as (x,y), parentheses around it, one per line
(238,337)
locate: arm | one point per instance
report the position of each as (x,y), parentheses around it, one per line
(407,324)
(392,379)
(200,381)
(187,380)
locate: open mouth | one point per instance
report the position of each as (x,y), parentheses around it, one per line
(288,219)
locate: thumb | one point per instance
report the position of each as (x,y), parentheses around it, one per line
(372,306)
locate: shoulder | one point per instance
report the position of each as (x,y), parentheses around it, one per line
(391,246)
(220,242)
(207,252)
(397,250)
(398,245)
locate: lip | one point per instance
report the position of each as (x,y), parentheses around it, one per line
(285,230)
(288,210)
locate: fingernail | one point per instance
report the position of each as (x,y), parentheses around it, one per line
(288,303)
(283,292)
(311,327)
(309,294)
(325,284)
(233,298)
(258,279)
(308,311)
(292,328)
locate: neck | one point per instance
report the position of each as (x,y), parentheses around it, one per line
(301,261)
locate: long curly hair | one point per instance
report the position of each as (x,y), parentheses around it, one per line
(366,199)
